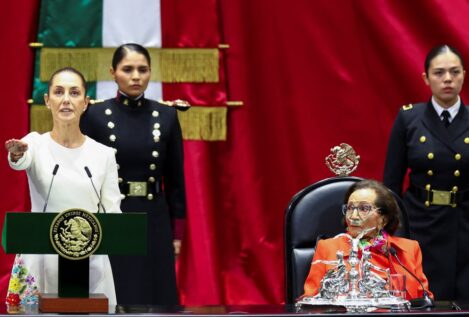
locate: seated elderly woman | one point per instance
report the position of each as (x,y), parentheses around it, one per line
(369,205)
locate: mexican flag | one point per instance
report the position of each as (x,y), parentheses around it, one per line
(83,34)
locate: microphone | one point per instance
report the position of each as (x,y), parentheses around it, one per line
(56,168)
(419,303)
(87,170)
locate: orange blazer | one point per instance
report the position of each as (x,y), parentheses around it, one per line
(407,250)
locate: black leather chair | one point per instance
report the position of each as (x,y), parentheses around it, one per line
(315,213)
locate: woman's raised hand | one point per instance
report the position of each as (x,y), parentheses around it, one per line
(16,148)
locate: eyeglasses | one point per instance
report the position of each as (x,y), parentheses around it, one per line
(363,208)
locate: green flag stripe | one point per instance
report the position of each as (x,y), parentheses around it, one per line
(67,24)
(71,24)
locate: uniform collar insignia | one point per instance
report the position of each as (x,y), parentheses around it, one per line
(127,101)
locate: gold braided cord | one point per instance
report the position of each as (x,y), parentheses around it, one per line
(197,123)
(40,118)
(169,65)
(203,123)
(234,103)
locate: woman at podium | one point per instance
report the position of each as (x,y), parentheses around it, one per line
(59,165)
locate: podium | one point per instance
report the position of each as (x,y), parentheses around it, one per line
(29,233)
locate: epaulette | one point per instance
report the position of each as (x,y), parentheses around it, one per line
(179,104)
(95,101)
(407,107)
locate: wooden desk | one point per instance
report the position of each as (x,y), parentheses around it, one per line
(441,309)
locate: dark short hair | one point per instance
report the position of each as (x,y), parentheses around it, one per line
(438,50)
(70,70)
(124,49)
(385,201)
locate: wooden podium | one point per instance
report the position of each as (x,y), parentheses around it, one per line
(29,233)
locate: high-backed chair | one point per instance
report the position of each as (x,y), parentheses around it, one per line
(314,213)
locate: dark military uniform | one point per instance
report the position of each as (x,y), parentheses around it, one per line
(438,195)
(149,153)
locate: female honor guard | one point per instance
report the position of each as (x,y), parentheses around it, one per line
(147,138)
(432,140)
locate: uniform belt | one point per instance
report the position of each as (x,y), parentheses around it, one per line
(440,197)
(140,189)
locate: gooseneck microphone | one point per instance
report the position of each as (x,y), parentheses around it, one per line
(56,168)
(87,170)
(418,303)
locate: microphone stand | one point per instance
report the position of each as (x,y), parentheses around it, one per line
(87,170)
(417,303)
(54,172)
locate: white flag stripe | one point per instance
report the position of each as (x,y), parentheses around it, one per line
(131,21)
(108,89)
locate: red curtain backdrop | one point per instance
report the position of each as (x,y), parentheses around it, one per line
(311,74)
(18,24)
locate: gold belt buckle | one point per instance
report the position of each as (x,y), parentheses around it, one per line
(441,197)
(137,189)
